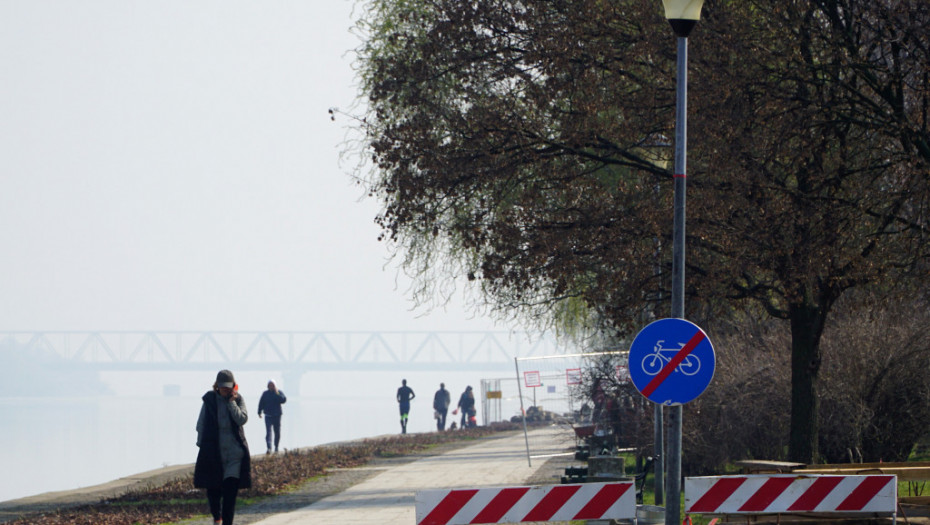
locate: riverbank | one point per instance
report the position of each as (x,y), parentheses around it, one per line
(282,482)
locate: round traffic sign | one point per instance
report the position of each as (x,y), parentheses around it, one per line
(671,361)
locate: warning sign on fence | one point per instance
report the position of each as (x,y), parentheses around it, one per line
(573,376)
(532,379)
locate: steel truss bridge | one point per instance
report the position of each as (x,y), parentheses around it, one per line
(291,353)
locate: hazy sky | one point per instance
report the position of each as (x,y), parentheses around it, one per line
(171,165)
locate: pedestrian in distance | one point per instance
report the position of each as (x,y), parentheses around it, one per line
(441,402)
(404,396)
(223,462)
(270,403)
(466,405)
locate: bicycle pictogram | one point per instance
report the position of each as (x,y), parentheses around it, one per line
(654,362)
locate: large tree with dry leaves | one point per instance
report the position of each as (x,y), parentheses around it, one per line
(523,145)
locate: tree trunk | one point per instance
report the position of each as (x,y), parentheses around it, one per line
(807,323)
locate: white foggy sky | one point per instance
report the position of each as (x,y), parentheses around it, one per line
(171,165)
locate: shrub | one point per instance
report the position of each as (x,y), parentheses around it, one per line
(874,390)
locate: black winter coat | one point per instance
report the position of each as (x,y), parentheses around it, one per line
(208,471)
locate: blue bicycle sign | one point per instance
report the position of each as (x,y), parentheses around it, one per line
(671,361)
(654,363)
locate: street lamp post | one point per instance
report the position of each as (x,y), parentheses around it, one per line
(683,15)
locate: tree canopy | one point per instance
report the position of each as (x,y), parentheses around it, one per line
(527,143)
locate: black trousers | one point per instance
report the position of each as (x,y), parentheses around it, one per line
(227,494)
(272,431)
(441,421)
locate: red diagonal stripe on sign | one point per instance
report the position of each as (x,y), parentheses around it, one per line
(863,494)
(448,507)
(766,494)
(603,500)
(673,364)
(551,503)
(815,494)
(716,495)
(497,507)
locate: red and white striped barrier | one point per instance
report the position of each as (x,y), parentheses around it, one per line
(785,493)
(585,501)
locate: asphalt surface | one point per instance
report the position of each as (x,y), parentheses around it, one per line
(388,497)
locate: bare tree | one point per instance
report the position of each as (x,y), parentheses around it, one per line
(520,145)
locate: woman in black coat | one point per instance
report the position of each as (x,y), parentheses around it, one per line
(223,463)
(467,406)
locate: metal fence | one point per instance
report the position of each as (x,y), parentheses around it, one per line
(552,392)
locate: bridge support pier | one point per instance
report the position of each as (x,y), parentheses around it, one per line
(292,382)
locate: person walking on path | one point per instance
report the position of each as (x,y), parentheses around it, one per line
(270,404)
(404,396)
(441,402)
(223,463)
(467,406)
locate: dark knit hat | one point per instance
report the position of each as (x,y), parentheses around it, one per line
(225,379)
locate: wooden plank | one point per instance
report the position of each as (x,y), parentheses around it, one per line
(879,464)
(762,465)
(914,500)
(903,473)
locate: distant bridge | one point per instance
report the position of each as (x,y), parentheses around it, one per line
(292,353)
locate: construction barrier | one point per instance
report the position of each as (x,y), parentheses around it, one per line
(792,493)
(584,501)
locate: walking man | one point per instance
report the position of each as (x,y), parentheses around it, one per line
(270,404)
(441,402)
(404,396)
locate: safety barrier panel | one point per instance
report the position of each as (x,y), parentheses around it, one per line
(792,493)
(583,501)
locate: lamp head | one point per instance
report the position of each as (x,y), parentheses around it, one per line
(683,15)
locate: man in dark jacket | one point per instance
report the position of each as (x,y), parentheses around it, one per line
(441,402)
(270,404)
(404,396)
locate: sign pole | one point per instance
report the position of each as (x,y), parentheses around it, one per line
(659,451)
(671,362)
(526,436)
(672,511)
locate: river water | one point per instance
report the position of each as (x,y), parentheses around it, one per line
(60,443)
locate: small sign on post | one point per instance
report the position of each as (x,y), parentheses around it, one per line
(671,361)
(532,379)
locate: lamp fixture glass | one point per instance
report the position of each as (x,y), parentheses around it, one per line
(683,15)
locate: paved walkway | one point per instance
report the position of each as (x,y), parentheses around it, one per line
(388,498)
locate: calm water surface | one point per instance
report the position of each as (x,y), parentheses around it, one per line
(51,444)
